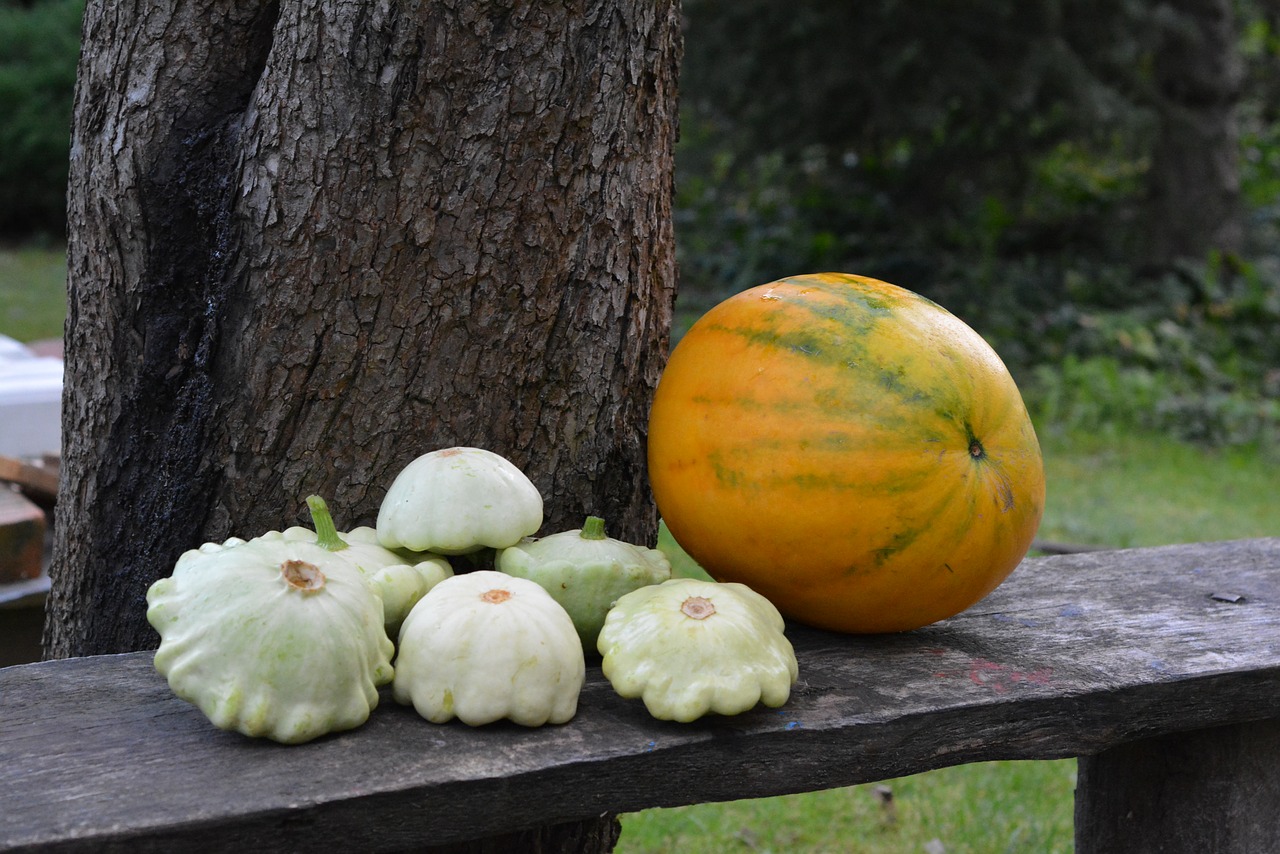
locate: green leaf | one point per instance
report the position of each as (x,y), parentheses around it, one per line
(682,565)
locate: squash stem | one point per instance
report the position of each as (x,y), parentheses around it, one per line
(326,532)
(593,528)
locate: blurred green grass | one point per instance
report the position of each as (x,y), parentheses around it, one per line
(1125,489)
(33,292)
(981,808)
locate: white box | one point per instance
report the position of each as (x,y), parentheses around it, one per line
(30,402)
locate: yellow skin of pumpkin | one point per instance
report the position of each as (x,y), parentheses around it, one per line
(847,448)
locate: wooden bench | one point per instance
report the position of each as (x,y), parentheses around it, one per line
(1160,668)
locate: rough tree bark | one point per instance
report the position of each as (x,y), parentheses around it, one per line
(312,239)
(1195,182)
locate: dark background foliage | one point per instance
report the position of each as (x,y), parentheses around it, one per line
(1011,161)
(1038,168)
(39,44)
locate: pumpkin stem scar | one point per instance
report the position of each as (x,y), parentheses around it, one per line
(697,608)
(495,596)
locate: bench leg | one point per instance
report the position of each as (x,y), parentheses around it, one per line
(1215,790)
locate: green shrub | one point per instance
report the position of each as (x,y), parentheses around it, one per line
(1196,359)
(39,46)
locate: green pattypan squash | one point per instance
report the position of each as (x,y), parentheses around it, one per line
(457,501)
(585,571)
(484,646)
(688,647)
(273,637)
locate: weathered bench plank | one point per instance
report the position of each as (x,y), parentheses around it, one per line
(1073,655)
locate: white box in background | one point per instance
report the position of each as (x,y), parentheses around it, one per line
(30,401)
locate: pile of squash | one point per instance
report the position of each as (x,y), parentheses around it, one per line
(829,448)
(289,635)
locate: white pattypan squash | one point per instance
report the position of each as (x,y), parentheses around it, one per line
(585,571)
(273,637)
(399,576)
(457,501)
(688,647)
(400,586)
(484,646)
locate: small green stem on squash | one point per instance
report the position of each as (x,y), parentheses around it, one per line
(326,532)
(593,528)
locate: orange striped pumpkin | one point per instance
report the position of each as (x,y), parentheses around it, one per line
(847,448)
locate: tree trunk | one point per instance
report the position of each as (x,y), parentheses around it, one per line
(1195,182)
(311,240)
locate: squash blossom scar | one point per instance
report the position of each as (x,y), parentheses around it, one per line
(697,607)
(301,575)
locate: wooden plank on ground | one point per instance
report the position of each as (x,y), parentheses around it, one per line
(22,528)
(1072,655)
(41,481)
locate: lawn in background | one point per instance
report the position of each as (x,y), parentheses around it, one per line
(33,292)
(972,809)
(1122,490)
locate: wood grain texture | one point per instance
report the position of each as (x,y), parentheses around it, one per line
(1073,655)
